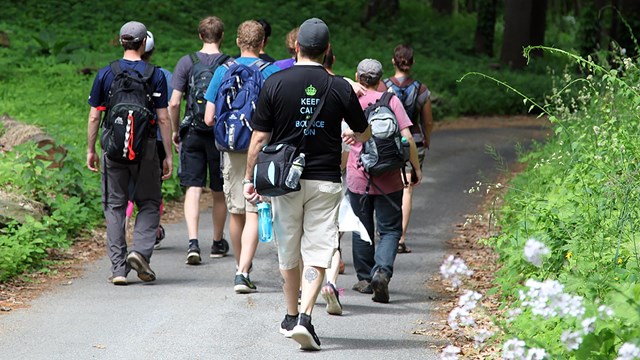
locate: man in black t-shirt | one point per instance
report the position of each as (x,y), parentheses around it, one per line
(305,222)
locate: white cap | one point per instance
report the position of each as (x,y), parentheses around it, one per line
(150,43)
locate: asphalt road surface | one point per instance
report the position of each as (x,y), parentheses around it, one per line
(192,312)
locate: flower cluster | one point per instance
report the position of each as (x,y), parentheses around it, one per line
(453,268)
(628,351)
(547,299)
(450,353)
(534,251)
(515,349)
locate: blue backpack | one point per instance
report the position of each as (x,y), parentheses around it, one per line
(235,103)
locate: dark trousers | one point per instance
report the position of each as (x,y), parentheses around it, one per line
(367,259)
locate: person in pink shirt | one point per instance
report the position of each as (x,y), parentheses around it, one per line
(374,265)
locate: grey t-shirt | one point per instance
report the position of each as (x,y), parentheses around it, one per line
(180,78)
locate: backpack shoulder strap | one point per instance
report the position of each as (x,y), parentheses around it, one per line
(388,83)
(261,64)
(115,67)
(385,99)
(148,72)
(221,59)
(194,58)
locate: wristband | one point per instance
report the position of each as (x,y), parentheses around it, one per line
(246,181)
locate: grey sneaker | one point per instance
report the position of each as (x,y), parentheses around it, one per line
(141,265)
(193,254)
(363,286)
(118,280)
(304,334)
(332,297)
(287,325)
(243,285)
(380,286)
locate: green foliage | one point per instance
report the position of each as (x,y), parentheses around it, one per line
(580,197)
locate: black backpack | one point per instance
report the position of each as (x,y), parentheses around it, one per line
(199,79)
(385,150)
(129,117)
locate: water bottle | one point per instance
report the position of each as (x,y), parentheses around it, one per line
(405,149)
(293,178)
(265,223)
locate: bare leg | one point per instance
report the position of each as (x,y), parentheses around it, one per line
(249,242)
(290,288)
(219,214)
(332,272)
(311,284)
(236,226)
(192,210)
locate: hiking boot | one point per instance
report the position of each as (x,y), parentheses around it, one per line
(380,286)
(141,265)
(160,234)
(332,297)
(243,285)
(219,248)
(193,254)
(363,286)
(287,325)
(118,280)
(304,333)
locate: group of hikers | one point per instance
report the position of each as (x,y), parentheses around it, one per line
(373,132)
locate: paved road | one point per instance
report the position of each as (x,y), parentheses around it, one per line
(192,312)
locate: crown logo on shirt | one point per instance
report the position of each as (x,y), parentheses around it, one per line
(310,90)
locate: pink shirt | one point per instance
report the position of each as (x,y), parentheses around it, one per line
(389,182)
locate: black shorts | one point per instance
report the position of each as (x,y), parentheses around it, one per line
(197,154)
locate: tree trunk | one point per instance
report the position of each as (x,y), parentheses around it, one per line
(375,8)
(485,28)
(517,32)
(443,6)
(538,25)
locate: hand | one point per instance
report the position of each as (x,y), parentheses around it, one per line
(250,194)
(176,141)
(93,162)
(349,137)
(358,88)
(416,176)
(167,168)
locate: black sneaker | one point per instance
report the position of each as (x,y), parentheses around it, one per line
(287,325)
(219,248)
(160,234)
(141,265)
(380,286)
(332,297)
(193,254)
(304,334)
(243,285)
(363,286)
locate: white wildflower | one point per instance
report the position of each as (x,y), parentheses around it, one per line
(481,336)
(628,351)
(534,250)
(605,311)
(469,300)
(589,325)
(512,314)
(465,318)
(513,349)
(547,300)
(452,268)
(450,353)
(536,354)
(596,129)
(571,339)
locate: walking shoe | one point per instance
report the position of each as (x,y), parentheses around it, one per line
(304,333)
(243,285)
(332,297)
(380,286)
(141,265)
(363,286)
(219,248)
(287,325)
(118,280)
(193,254)
(159,236)
(341,267)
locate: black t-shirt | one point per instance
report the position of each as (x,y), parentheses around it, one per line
(289,97)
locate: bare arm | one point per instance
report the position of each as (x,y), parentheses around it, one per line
(174,116)
(413,155)
(427,122)
(93,162)
(165,131)
(210,113)
(258,140)
(350,137)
